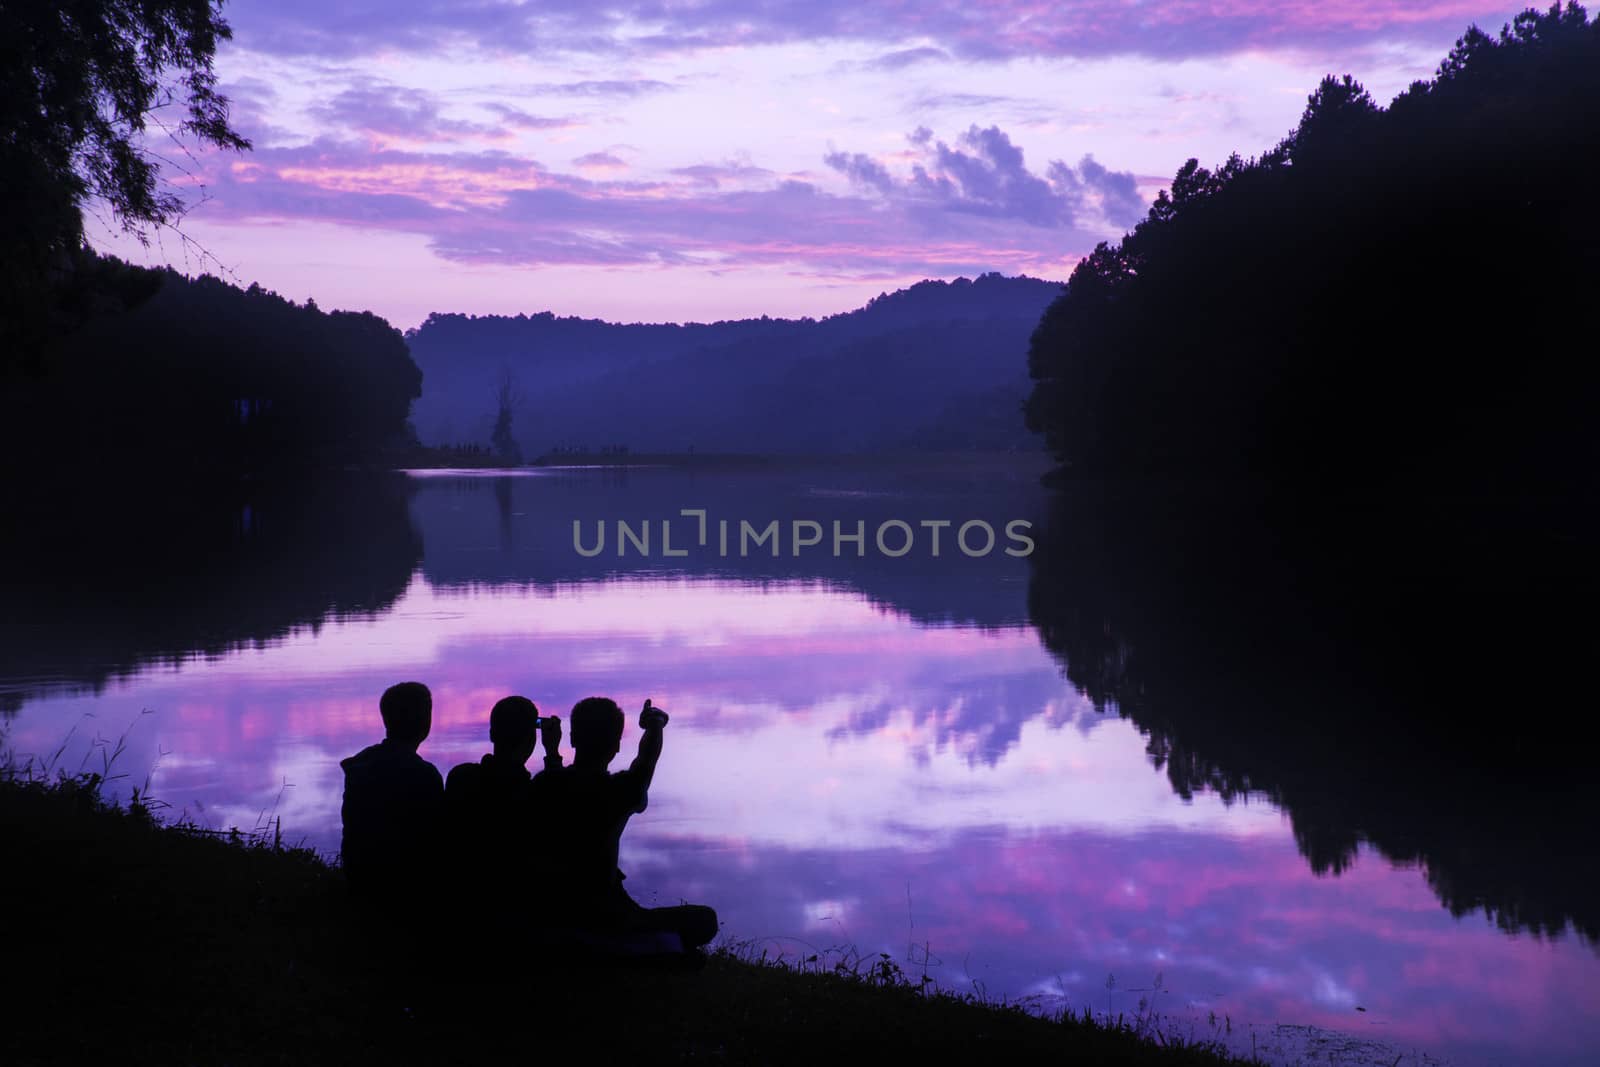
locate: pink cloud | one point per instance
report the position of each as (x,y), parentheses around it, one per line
(967,207)
(600,162)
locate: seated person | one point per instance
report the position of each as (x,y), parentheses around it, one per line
(393,801)
(593,807)
(491,813)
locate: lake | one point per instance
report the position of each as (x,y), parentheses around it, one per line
(873,752)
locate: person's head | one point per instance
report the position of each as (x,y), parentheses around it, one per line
(514,728)
(407,711)
(596,729)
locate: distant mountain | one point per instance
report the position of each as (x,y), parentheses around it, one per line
(938,366)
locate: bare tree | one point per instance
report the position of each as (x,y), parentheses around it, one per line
(508,397)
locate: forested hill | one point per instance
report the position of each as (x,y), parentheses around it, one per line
(197,376)
(941,365)
(1402,294)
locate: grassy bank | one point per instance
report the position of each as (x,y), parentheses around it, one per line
(131,941)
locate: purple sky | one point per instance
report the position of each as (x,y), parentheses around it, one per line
(722,158)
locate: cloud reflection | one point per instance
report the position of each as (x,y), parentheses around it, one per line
(841,772)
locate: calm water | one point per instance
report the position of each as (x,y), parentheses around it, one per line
(864,752)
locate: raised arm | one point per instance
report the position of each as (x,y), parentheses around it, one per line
(653,721)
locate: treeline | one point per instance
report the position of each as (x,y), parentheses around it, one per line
(1383,322)
(106,365)
(937,366)
(200,376)
(1386,294)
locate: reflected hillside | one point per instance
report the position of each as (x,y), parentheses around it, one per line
(119,580)
(517,529)
(1399,676)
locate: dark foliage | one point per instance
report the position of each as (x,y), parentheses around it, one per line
(86,88)
(1343,552)
(1386,293)
(202,377)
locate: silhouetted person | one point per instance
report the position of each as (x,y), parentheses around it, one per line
(393,804)
(595,806)
(496,828)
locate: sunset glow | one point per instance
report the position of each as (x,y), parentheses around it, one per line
(717,160)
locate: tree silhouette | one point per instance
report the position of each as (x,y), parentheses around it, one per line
(82,83)
(1385,295)
(507,398)
(202,376)
(1384,322)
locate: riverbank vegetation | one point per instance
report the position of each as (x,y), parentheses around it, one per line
(138,941)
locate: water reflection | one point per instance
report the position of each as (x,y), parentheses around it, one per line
(1234,925)
(1407,690)
(517,530)
(858,756)
(123,578)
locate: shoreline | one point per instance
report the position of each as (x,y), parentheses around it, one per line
(231,947)
(1033,463)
